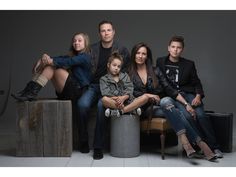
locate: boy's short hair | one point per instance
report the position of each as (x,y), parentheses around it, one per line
(179,39)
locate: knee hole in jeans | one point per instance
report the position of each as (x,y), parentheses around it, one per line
(169,107)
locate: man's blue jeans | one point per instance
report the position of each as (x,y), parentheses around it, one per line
(177,120)
(203,124)
(91,97)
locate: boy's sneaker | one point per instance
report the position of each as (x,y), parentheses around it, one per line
(107,112)
(218,153)
(115,113)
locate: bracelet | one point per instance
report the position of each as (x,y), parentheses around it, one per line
(186,104)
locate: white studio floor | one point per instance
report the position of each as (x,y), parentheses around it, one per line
(147,158)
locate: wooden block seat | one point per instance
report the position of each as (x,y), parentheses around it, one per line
(44,128)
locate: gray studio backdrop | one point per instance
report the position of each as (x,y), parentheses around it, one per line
(209,35)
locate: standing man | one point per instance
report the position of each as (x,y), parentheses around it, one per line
(182,75)
(100,51)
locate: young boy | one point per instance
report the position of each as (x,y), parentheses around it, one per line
(182,75)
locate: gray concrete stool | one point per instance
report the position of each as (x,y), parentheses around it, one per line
(125,136)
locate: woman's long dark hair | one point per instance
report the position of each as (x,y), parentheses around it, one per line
(133,66)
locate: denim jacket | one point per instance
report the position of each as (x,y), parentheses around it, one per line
(80,66)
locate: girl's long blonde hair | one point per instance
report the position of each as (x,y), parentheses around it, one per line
(86,49)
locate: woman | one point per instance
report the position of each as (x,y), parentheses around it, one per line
(148,80)
(67,85)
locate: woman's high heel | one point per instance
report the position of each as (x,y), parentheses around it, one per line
(189,150)
(210,156)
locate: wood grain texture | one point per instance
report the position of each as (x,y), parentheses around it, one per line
(44,128)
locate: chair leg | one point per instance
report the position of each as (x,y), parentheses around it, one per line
(162,137)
